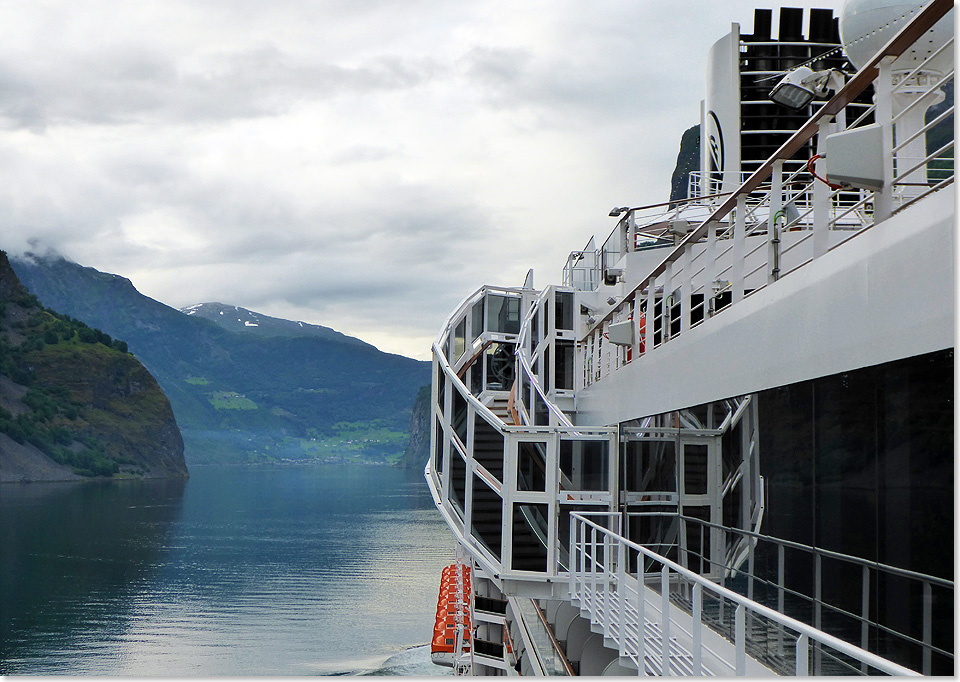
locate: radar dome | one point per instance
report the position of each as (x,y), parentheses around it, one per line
(867,25)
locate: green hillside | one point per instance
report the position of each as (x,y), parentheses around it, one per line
(73,401)
(241,397)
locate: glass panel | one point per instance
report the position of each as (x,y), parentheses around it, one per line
(501,365)
(694,469)
(541,415)
(439,440)
(458,480)
(563,318)
(530,533)
(476,376)
(584,464)
(486,516)
(525,391)
(459,421)
(535,331)
(503,314)
(459,339)
(488,447)
(476,320)
(698,540)
(441,387)
(564,370)
(546,369)
(531,466)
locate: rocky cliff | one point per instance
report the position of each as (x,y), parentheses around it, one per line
(418,449)
(73,402)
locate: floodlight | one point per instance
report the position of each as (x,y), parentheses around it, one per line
(798,88)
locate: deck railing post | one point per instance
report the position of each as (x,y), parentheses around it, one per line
(780,586)
(697,629)
(773,229)
(740,639)
(686,289)
(803,656)
(821,199)
(622,597)
(572,558)
(650,316)
(593,569)
(667,304)
(710,270)
(665,616)
(739,250)
(641,618)
(883,200)
(927,626)
(865,615)
(817,608)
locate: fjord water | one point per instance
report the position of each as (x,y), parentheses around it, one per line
(238,571)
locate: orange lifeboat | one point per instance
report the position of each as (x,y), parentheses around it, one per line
(453,604)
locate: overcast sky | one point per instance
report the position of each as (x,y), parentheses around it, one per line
(360,164)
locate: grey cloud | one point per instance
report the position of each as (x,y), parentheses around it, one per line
(140,86)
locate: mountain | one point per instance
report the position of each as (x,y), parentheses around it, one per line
(237,319)
(241,397)
(73,402)
(688,159)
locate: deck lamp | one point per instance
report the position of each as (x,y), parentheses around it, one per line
(617,210)
(798,88)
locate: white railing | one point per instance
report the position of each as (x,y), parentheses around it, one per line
(466,481)
(748,243)
(627,610)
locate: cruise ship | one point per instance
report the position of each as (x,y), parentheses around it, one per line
(722,442)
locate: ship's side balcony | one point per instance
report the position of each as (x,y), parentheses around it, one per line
(753,619)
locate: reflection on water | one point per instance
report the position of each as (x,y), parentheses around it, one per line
(238,571)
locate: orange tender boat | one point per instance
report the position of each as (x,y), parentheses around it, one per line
(451,603)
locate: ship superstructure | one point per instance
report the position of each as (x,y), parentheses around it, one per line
(723,444)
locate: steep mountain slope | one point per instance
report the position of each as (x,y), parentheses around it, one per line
(73,402)
(237,319)
(243,397)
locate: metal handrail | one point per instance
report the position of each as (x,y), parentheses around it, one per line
(806,632)
(900,42)
(818,553)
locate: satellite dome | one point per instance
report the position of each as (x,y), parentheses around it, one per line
(867,25)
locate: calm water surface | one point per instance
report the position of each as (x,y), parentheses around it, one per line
(238,571)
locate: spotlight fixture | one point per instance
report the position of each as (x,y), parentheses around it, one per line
(617,210)
(798,88)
